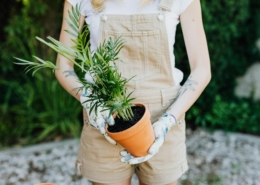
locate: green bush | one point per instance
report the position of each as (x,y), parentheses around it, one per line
(33,109)
(39,110)
(232,28)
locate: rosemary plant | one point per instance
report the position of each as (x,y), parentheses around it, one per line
(108,90)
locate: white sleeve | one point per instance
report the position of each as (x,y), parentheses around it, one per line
(184,4)
(83,5)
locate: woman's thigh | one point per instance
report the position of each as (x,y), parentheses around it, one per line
(124,182)
(172,183)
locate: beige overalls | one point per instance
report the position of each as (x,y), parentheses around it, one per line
(146,56)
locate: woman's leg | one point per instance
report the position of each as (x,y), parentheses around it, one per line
(124,182)
(172,183)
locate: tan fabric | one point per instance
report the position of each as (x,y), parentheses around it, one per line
(146,56)
(98,160)
(170,162)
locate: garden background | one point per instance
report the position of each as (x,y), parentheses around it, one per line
(37,109)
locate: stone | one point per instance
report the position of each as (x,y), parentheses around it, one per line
(214,159)
(258,44)
(249,84)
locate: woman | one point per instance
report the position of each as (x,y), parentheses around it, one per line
(149,28)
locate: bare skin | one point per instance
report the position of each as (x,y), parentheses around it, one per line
(66,75)
(172,183)
(124,182)
(196,46)
(128,182)
(197,49)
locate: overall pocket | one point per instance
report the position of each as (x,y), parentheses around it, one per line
(173,151)
(95,150)
(140,55)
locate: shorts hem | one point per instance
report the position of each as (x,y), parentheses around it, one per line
(165,178)
(106,177)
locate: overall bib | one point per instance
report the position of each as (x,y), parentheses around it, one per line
(146,56)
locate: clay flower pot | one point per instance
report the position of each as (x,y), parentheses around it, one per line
(138,138)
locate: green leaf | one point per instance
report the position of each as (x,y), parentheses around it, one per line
(74,20)
(71,33)
(103,91)
(72,26)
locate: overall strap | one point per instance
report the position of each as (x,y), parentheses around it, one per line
(166,5)
(99,8)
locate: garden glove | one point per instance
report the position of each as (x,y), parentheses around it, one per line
(99,120)
(160,127)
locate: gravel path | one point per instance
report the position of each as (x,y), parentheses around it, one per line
(214,159)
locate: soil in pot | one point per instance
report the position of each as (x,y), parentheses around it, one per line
(121,125)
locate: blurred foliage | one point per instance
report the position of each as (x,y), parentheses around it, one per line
(33,109)
(36,109)
(232,28)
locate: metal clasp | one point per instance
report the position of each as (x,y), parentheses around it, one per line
(104,18)
(160,16)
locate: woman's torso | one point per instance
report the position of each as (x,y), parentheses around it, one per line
(132,7)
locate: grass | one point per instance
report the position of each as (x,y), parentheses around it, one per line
(36,111)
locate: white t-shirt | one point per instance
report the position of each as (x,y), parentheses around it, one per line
(129,7)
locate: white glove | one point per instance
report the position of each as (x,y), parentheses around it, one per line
(99,120)
(160,127)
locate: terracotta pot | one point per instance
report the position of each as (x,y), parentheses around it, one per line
(138,138)
(45,184)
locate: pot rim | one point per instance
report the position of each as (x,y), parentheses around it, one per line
(125,133)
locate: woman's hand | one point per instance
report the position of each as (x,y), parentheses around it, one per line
(161,127)
(97,119)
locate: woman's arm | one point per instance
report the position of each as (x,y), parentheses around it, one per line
(196,45)
(66,75)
